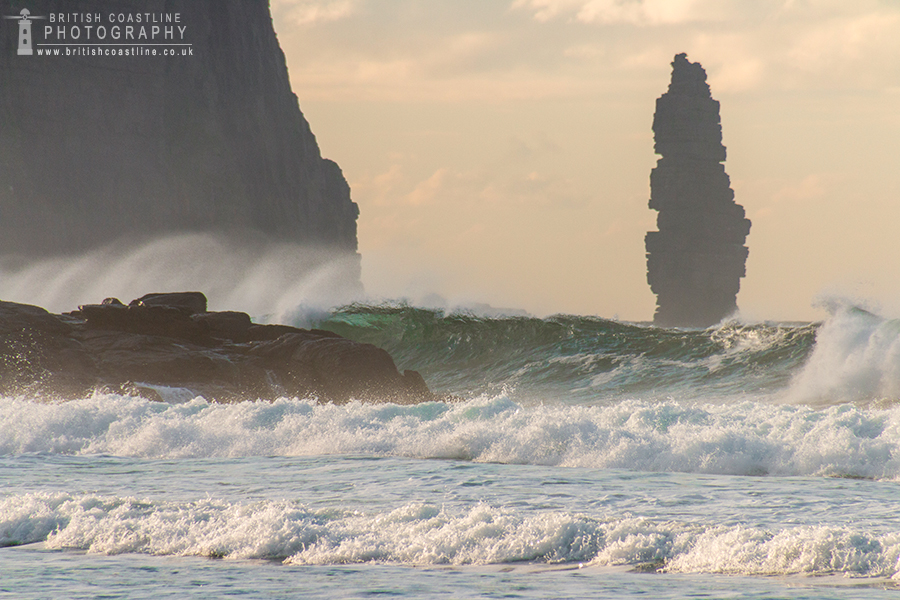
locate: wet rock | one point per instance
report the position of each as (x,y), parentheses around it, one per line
(190,303)
(164,343)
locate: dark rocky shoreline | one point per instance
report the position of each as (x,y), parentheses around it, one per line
(171,342)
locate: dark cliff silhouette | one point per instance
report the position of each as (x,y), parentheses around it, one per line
(696,259)
(98,147)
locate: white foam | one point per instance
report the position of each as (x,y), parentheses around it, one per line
(745,438)
(856,359)
(426,534)
(800,550)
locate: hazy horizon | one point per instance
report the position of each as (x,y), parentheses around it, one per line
(500,151)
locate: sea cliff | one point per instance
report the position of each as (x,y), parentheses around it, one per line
(111,138)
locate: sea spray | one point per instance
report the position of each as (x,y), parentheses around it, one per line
(270,281)
(856,359)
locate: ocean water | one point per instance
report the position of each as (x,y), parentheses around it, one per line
(572,457)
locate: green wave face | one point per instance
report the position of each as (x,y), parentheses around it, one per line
(579,359)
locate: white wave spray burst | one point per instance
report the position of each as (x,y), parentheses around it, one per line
(856,359)
(267,280)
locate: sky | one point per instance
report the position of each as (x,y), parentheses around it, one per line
(500,150)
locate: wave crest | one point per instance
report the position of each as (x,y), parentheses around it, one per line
(856,359)
(578,359)
(426,534)
(748,438)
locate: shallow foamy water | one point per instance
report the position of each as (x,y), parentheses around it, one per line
(434,528)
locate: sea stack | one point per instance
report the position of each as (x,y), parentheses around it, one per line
(126,119)
(697,258)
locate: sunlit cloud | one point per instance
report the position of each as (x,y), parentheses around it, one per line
(837,46)
(394,189)
(639,12)
(635,12)
(533,146)
(426,192)
(810,188)
(309,12)
(487,55)
(545,10)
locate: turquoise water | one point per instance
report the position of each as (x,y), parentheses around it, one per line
(580,359)
(572,458)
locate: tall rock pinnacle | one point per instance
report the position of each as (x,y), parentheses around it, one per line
(696,259)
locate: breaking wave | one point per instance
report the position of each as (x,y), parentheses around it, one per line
(746,438)
(575,359)
(427,534)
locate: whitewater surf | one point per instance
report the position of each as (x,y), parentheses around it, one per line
(572,452)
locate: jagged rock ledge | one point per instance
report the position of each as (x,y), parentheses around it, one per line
(161,346)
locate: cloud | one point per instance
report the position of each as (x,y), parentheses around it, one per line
(310,12)
(426,191)
(513,51)
(795,195)
(512,187)
(545,10)
(634,12)
(533,190)
(638,12)
(811,189)
(838,44)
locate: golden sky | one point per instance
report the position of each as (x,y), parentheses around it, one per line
(500,150)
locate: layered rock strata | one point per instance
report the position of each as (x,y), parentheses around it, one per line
(96,146)
(169,347)
(697,258)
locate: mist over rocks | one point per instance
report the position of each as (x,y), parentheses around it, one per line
(96,147)
(697,258)
(274,282)
(167,346)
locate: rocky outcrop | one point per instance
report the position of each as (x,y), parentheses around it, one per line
(696,259)
(168,346)
(95,146)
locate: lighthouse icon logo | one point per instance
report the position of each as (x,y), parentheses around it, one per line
(24,18)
